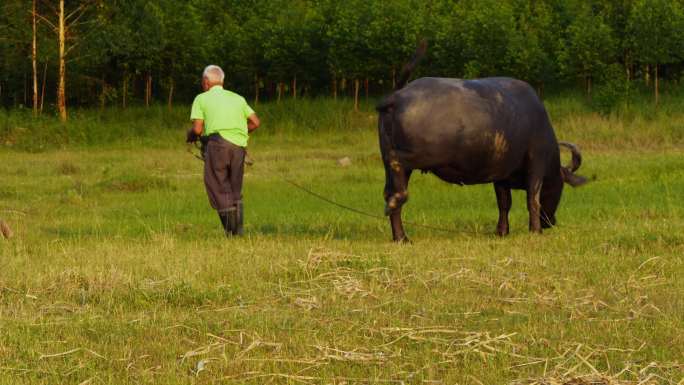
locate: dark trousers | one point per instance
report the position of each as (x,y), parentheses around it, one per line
(224,165)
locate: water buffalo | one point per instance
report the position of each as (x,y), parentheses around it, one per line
(491,130)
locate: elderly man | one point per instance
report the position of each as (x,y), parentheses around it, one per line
(224,120)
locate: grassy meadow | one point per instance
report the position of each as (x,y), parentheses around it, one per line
(118,271)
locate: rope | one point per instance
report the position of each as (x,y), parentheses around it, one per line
(321,197)
(348,208)
(197,147)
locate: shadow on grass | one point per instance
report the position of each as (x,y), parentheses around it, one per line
(380,232)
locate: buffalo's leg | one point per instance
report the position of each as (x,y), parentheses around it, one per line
(534,184)
(504,201)
(396,194)
(398,234)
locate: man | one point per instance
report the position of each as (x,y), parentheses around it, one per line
(224,120)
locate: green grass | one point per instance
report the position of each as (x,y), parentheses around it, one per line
(636,124)
(118,272)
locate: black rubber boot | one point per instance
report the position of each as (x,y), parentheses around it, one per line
(238,230)
(226,224)
(233,221)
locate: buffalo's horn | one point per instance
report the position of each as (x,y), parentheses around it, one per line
(576,155)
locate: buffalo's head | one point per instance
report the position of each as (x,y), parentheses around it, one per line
(552,188)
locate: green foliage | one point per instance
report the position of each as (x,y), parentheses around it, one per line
(288,120)
(349,38)
(614,90)
(591,45)
(486,28)
(118,44)
(533,46)
(655,28)
(289,47)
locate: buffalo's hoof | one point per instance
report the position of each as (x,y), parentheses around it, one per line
(547,224)
(403,240)
(502,232)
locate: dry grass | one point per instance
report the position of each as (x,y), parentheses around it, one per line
(110,285)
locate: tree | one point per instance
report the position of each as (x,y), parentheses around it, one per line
(288,45)
(133,50)
(179,53)
(349,41)
(64,24)
(446,48)
(535,42)
(34,56)
(655,28)
(591,46)
(234,34)
(394,30)
(616,14)
(14,49)
(485,28)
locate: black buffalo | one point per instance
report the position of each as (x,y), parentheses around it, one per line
(492,130)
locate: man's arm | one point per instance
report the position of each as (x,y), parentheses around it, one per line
(253,123)
(195,131)
(198,126)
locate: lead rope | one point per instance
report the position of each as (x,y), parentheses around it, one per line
(321,197)
(348,208)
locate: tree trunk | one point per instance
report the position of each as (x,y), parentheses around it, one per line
(294,88)
(365,86)
(334,87)
(356,94)
(25,85)
(655,82)
(124,90)
(280,91)
(588,86)
(628,67)
(647,76)
(103,96)
(256,89)
(170,100)
(148,89)
(34,54)
(394,79)
(540,90)
(61,94)
(42,92)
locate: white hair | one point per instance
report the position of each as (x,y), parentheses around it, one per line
(214,74)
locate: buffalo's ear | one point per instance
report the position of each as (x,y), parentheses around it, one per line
(571,178)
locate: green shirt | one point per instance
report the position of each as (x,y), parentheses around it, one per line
(223,112)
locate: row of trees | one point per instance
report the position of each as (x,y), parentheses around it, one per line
(105,52)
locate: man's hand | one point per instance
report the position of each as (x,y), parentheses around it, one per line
(252,123)
(191,136)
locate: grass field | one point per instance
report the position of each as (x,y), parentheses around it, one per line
(118,272)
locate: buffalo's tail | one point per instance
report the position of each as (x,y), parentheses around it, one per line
(406,71)
(408,68)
